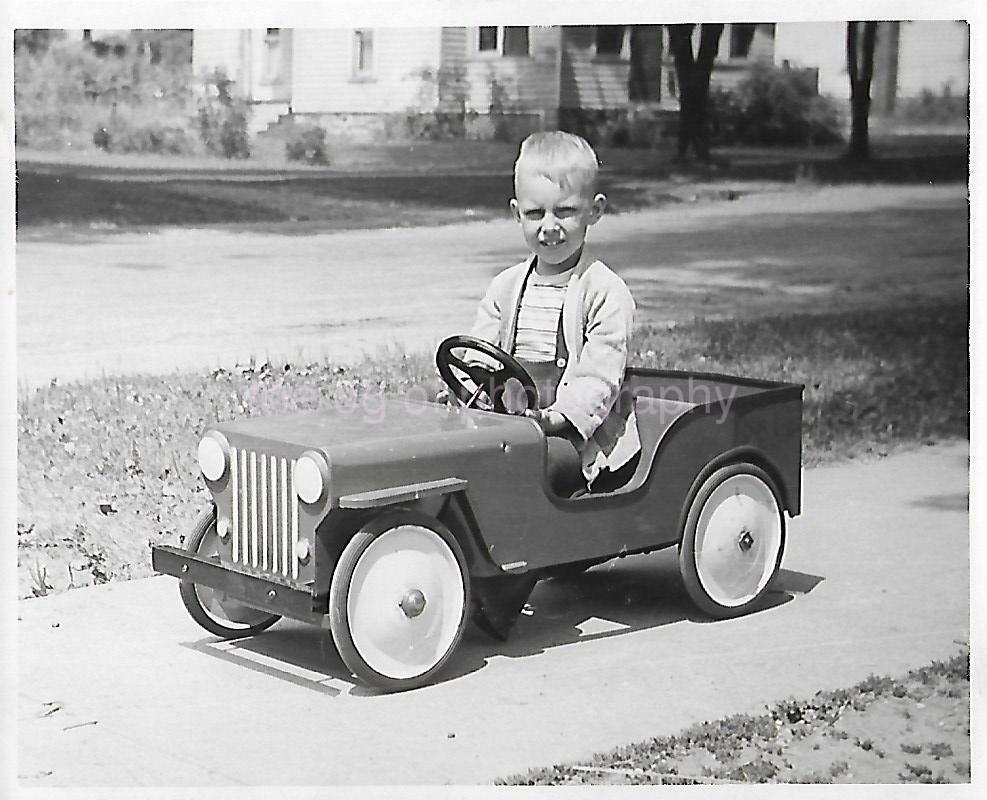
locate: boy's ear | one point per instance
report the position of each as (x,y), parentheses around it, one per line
(515,209)
(599,206)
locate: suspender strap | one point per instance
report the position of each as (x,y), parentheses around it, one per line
(561,351)
(511,342)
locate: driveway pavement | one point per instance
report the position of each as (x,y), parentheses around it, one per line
(119,687)
(98,303)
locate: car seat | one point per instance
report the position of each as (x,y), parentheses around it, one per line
(564,467)
(655,416)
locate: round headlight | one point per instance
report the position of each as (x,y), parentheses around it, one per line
(310,478)
(212,458)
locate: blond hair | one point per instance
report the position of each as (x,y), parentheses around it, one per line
(563,158)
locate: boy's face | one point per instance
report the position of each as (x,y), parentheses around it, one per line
(554,219)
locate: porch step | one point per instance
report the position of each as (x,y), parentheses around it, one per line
(265,115)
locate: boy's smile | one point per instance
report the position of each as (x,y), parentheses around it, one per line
(554,218)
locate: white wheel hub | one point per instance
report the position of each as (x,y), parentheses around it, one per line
(738,539)
(405,602)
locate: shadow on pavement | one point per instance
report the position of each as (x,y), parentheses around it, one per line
(613,599)
(944,502)
(890,168)
(796,582)
(309,648)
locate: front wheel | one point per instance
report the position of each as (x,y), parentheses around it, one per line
(214,610)
(398,601)
(733,541)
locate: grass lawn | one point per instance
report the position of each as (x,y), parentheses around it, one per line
(911,729)
(334,201)
(428,183)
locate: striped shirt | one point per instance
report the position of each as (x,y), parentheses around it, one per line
(538,317)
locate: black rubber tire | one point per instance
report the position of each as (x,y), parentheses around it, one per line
(190,598)
(339,624)
(687,543)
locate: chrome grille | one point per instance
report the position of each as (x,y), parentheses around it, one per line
(264,512)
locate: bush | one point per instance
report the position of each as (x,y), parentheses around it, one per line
(501,107)
(932,108)
(222,118)
(66,94)
(772,106)
(149,137)
(36,40)
(440,111)
(635,126)
(433,126)
(139,129)
(306,142)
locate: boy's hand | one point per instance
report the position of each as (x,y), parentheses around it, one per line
(514,398)
(552,422)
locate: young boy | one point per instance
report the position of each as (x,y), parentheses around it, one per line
(564,314)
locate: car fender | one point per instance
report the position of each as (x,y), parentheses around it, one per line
(406,493)
(430,498)
(737,455)
(444,500)
(434,500)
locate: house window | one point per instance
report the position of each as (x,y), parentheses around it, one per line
(741,36)
(272,56)
(609,40)
(488,38)
(505,40)
(515,40)
(363,53)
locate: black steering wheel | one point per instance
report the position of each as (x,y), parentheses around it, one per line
(486,379)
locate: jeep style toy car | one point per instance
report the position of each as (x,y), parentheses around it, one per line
(396,528)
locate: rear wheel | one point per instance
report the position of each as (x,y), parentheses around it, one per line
(733,541)
(398,601)
(212,609)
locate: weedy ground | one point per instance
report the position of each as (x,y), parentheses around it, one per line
(911,729)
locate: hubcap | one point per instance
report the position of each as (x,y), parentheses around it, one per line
(395,629)
(738,540)
(413,603)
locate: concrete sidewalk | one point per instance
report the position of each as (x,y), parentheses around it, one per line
(119,687)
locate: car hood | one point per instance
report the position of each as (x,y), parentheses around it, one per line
(380,424)
(395,442)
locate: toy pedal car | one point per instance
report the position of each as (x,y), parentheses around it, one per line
(396,529)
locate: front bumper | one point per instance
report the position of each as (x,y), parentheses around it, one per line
(269,593)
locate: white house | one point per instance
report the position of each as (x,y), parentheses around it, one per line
(352,79)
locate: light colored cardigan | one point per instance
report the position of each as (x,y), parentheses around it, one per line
(597,318)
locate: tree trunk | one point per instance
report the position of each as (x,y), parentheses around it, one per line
(680,43)
(644,76)
(693,72)
(860,66)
